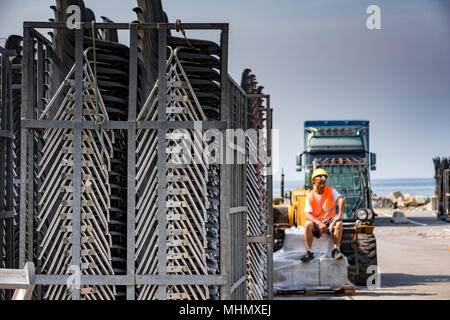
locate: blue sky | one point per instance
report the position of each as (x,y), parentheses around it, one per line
(318,61)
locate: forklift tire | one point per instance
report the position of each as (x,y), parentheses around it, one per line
(366,256)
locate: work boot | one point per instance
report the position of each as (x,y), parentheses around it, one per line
(308,256)
(336,254)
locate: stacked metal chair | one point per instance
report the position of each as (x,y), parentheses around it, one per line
(7,213)
(200,65)
(193,75)
(257,192)
(442,182)
(15,43)
(193,80)
(104,160)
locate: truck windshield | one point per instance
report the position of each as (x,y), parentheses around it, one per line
(349,182)
(336,142)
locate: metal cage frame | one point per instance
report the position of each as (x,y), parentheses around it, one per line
(233,208)
(446,192)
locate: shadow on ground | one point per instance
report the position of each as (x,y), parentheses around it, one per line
(392,280)
(381,221)
(394,285)
(382,293)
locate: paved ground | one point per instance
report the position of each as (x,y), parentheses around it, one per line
(414,259)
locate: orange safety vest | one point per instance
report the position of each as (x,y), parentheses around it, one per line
(325,208)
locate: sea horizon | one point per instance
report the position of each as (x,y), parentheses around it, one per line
(381,186)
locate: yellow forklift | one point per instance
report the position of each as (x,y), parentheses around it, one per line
(342,149)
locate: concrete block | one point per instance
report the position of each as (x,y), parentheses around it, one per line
(434,203)
(407,197)
(333,273)
(395,196)
(293,274)
(421,200)
(290,273)
(407,201)
(399,217)
(377,203)
(294,241)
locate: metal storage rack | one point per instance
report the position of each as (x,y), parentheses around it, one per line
(259,191)
(442,190)
(446,192)
(80,128)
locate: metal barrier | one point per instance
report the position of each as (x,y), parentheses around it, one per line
(259,191)
(237,120)
(7,178)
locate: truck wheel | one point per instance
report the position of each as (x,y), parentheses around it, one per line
(366,255)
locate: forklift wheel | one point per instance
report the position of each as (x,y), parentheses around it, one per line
(366,256)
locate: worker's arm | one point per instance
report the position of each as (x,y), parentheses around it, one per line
(341,205)
(337,197)
(322,226)
(310,217)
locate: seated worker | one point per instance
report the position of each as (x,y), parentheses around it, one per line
(321,215)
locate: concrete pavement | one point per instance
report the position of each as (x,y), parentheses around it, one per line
(413,259)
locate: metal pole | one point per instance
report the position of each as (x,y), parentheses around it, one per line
(10,177)
(225,187)
(3,126)
(40,105)
(27,47)
(131,198)
(4,168)
(244,112)
(40,78)
(162,84)
(3,140)
(76,219)
(30,142)
(269,205)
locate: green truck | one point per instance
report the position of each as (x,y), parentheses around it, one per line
(342,149)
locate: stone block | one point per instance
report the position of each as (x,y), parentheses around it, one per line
(399,217)
(290,273)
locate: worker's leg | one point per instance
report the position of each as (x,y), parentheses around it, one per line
(309,228)
(337,233)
